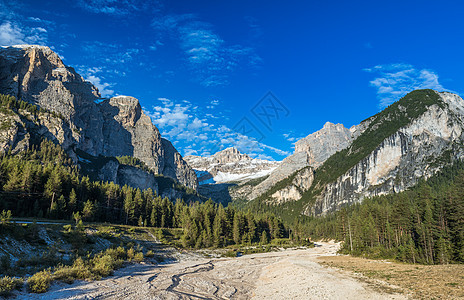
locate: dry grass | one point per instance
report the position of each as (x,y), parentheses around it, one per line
(421,282)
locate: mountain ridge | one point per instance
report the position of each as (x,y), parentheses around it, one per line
(409,141)
(115,126)
(229,165)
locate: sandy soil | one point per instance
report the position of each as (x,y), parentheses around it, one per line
(289,274)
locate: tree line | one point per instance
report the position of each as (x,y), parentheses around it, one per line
(421,225)
(43,182)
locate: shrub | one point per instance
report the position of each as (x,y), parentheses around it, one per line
(150,254)
(67,228)
(69,273)
(117,253)
(7,284)
(104,265)
(231,253)
(130,254)
(138,257)
(5,217)
(65,274)
(39,282)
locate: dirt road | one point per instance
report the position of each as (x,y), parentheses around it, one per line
(289,274)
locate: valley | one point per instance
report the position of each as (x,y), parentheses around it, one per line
(291,273)
(107,207)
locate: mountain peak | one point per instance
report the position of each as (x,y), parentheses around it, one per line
(229,155)
(114,127)
(324,142)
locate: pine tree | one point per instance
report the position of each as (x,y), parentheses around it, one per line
(237,228)
(217,231)
(264,239)
(88,211)
(72,203)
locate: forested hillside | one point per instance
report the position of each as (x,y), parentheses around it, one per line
(422,225)
(43,182)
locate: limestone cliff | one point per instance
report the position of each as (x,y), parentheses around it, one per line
(113,127)
(416,151)
(325,142)
(388,153)
(310,151)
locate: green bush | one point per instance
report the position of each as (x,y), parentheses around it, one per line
(8,284)
(39,282)
(150,254)
(117,253)
(231,253)
(130,254)
(104,265)
(67,228)
(70,273)
(138,257)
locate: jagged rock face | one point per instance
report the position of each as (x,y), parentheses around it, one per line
(19,130)
(37,75)
(288,166)
(176,167)
(301,183)
(312,151)
(128,131)
(114,127)
(412,153)
(229,165)
(325,142)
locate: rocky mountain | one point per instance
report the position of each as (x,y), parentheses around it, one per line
(389,152)
(229,165)
(311,152)
(74,115)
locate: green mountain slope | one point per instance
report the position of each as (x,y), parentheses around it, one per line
(378,128)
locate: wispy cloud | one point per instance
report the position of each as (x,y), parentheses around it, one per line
(110,53)
(94,75)
(113,7)
(12,33)
(206,53)
(194,130)
(291,137)
(396,80)
(17,28)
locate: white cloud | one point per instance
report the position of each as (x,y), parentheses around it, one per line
(103,87)
(396,80)
(113,7)
(276,150)
(206,53)
(196,132)
(92,74)
(11,33)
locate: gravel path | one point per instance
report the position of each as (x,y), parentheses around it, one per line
(289,274)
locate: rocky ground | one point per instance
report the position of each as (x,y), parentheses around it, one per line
(288,274)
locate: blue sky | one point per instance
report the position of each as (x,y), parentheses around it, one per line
(203,70)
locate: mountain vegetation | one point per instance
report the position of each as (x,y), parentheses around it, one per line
(379,127)
(422,225)
(44,183)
